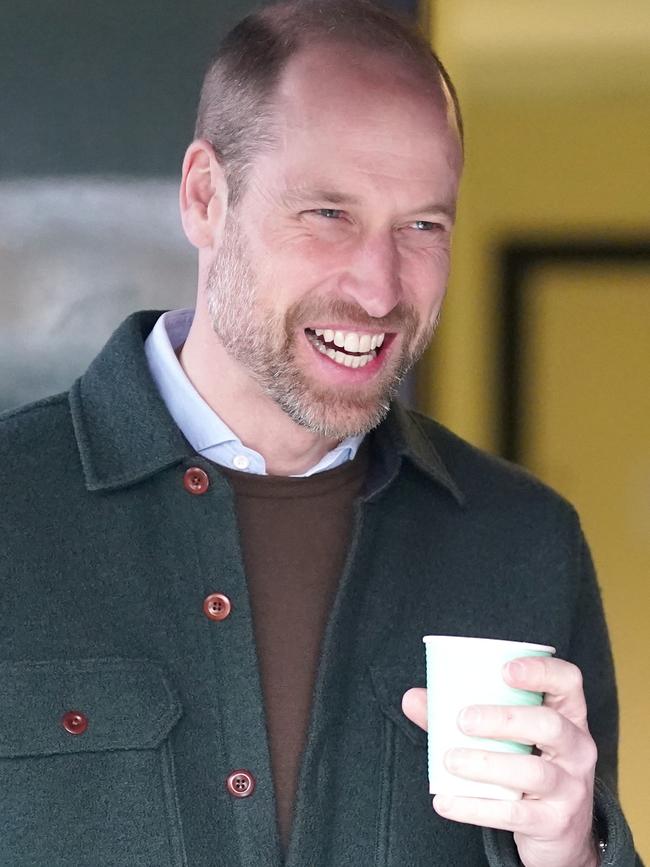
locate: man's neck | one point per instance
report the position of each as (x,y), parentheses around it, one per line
(287,448)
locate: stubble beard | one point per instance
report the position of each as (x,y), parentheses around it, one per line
(263,342)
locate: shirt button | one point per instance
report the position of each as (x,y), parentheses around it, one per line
(216,606)
(196,480)
(74,722)
(240,784)
(241,462)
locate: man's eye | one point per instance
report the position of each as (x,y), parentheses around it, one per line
(425,225)
(330,213)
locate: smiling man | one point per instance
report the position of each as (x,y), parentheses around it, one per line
(223,546)
(321,285)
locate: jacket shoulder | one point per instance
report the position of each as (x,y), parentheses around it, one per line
(32,413)
(35,428)
(486,478)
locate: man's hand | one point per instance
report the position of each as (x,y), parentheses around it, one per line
(552,824)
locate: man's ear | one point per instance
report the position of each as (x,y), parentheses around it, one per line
(203,195)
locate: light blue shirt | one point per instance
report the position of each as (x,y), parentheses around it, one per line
(208,434)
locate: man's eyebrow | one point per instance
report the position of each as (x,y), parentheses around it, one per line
(319,194)
(437,208)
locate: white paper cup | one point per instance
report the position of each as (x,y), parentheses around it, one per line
(469,671)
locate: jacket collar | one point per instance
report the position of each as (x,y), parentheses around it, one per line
(125,433)
(401,436)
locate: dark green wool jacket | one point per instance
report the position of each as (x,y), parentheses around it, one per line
(105,561)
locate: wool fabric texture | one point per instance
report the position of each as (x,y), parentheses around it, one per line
(105,560)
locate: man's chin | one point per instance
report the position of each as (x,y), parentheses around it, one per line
(347,418)
(328,411)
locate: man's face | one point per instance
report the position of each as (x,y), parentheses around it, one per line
(330,276)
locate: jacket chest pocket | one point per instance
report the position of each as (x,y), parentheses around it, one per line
(86,767)
(409,832)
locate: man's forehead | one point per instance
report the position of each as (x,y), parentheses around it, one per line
(344,129)
(336,74)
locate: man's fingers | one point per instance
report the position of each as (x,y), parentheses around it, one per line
(414,705)
(560,680)
(530,774)
(524,816)
(543,727)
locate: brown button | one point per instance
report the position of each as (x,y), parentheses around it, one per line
(240,784)
(74,722)
(196,480)
(216,606)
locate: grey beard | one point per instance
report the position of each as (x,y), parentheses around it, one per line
(263,347)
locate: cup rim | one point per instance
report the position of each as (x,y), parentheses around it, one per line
(428,639)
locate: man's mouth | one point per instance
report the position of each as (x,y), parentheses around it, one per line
(348,348)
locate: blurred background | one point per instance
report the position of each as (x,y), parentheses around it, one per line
(543,353)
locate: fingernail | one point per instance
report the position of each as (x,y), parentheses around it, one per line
(452,760)
(469,718)
(442,803)
(516,670)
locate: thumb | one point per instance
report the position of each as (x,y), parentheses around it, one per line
(414,705)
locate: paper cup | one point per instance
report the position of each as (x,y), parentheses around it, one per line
(469,671)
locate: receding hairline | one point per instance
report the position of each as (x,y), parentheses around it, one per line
(239,96)
(288,97)
(406,43)
(356,53)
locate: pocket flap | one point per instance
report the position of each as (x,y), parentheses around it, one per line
(128,704)
(390,682)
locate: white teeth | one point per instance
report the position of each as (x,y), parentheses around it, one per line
(351,341)
(350,360)
(320,346)
(365,343)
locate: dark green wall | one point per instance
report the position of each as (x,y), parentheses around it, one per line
(94,87)
(91,86)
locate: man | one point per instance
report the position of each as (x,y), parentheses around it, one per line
(223,546)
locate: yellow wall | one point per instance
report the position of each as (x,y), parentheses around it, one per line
(556,100)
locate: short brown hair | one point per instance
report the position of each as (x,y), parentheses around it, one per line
(235,108)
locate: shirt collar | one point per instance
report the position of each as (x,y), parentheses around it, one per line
(203,428)
(125,433)
(200,425)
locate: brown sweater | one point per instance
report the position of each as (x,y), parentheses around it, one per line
(295,533)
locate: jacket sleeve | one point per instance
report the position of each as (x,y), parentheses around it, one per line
(590,650)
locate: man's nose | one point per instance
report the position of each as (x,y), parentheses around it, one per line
(372,278)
